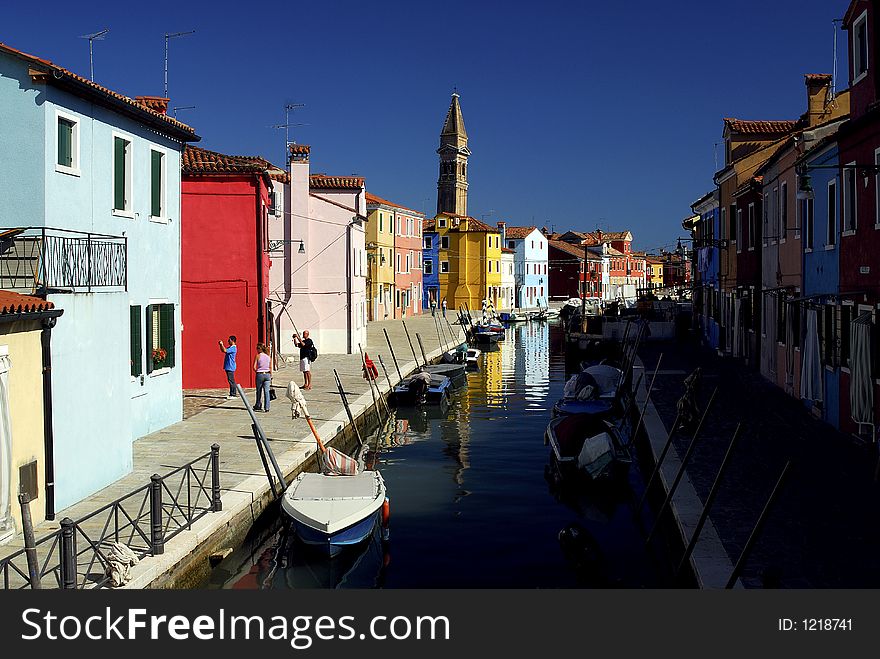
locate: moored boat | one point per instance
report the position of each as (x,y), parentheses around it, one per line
(588,444)
(412,390)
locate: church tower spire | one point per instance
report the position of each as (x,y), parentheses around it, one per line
(452,184)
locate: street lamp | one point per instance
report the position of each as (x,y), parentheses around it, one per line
(275,245)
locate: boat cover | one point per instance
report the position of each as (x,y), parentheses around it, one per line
(314,487)
(607,377)
(596,454)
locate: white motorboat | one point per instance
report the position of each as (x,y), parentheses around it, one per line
(472,357)
(334,512)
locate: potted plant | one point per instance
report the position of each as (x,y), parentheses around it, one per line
(159,357)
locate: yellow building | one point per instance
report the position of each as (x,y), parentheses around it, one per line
(655,272)
(380,254)
(24,463)
(470,261)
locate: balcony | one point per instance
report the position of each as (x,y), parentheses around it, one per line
(40,260)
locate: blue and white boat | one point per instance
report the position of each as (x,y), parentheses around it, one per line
(438,391)
(331,513)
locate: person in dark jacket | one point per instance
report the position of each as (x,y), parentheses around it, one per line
(305,345)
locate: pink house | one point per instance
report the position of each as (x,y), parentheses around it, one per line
(407,262)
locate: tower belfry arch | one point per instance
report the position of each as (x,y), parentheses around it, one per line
(452,183)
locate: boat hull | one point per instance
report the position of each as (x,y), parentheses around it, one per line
(334,543)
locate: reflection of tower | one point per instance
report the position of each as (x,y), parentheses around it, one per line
(533,361)
(452,183)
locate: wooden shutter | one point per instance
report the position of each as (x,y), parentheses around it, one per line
(149,342)
(65,143)
(156,184)
(137,364)
(166,331)
(119,174)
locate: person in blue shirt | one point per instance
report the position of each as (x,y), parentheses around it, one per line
(229,364)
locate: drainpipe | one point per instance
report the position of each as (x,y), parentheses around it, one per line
(261,307)
(48,436)
(348,272)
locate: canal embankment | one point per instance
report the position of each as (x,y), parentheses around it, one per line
(244,488)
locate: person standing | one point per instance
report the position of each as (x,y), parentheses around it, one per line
(230,352)
(306,345)
(443,307)
(263,367)
(433,306)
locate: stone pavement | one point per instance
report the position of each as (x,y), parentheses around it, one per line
(227,423)
(822,531)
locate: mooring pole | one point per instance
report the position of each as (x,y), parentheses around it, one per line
(647,399)
(369,378)
(390,347)
(265,461)
(681,469)
(656,469)
(410,344)
(385,370)
(422,348)
(453,333)
(30,544)
(708,505)
(439,339)
(743,557)
(345,405)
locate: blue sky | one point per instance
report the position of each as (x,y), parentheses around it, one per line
(580,114)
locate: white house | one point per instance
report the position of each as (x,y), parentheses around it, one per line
(530,270)
(91,180)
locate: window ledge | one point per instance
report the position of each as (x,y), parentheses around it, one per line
(782,242)
(119,213)
(848,232)
(828,368)
(828,248)
(70,171)
(808,250)
(160,371)
(844,369)
(751,249)
(160,220)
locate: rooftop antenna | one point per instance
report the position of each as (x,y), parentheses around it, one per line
(183,107)
(286,126)
(96,36)
(168,37)
(831,94)
(715,150)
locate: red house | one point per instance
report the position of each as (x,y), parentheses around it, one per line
(225,202)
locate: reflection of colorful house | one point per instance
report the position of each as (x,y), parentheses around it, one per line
(469,253)
(26,442)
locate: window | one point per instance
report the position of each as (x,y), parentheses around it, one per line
(444,266)
(832,213)
(136,351)
(428,267)
(753,227)
(723,222)
(441,223)
(157,184)
(444,242)
(737,226)
(429,243)
(860,47)
(409,258)
(877,190)
(380,222)
(122,175)
(807,206)
(843,325)
(398,263)
(67,158)
(849,198)
(783,212)
(160,337)
(766,216)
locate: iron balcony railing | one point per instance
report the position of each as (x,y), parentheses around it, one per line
(42,259)
(76,555)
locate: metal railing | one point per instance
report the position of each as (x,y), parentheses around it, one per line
(41,259)
(76,556)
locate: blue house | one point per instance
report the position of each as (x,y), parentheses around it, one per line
(819,213)
(530,264)
(707,232)
(430,265)
(90,183)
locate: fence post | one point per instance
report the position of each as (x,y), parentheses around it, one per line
(157,537)
(68,554)
(30,546)
(216,503)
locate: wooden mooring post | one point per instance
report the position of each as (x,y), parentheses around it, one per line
(422,348)
(391,348)
(345,405)
(410,344)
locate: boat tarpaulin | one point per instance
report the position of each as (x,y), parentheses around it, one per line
(861,389)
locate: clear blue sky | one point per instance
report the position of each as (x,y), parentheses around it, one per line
(580,114)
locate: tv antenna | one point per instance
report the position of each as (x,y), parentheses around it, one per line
(96,36)
(286,126)
(182,107)
(831,94)
(168,37)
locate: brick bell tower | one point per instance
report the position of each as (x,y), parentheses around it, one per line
(452,184)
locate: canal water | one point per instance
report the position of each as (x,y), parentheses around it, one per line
(474,502)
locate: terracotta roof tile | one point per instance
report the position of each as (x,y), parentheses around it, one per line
(375,200)
(201,161)
(759,127)
(518,232)
(300,149)
(325,182)
(574,250)
(11,303)
(54,74)
(155,103)
(507,250)
(819,77)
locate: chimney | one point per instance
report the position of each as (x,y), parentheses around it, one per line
(299,182)
(818,94)
(502,227)
(155,103)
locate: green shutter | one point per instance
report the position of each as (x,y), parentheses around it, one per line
(166,331)
(149,342)
(136,354)
(156,183)
(65,142)
(118,174)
